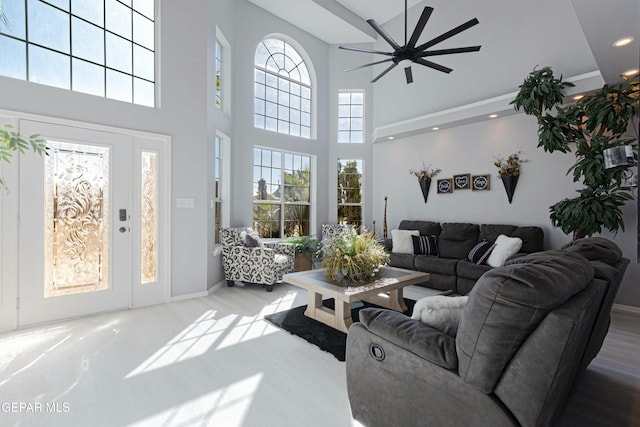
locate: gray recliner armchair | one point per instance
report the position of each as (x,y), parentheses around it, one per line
(526,332)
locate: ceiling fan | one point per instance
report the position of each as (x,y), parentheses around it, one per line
(410,53)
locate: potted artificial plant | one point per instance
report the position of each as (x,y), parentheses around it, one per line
(593,124)
(424,176)
(305,247)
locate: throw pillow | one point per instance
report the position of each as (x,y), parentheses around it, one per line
(250,239)
(440,312)
(425,245)
(481,252)
(505,248)
(402,243)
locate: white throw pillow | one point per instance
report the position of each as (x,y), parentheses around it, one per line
(402,242)
(440,312)
(505,248)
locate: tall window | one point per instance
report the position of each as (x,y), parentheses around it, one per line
(218,74)
(351,117)
(282,90)
(281,193)
(350,192)
(218,186)
(104,48)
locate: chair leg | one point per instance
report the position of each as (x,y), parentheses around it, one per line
(269,288)
(231,283)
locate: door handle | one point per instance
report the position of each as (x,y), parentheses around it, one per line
(123,229)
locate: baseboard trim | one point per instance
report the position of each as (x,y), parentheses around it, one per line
(189,296)
(215,287)
(627,309)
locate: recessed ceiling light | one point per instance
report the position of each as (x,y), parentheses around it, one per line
(436,128)
(493,116)
(623,41)
(631,72)
(391,137)
(578,97)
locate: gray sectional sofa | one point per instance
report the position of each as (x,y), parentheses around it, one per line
(526,332)
(451,270)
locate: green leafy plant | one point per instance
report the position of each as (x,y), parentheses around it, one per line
(11,142)
(426,173)
(354,258)
(303,244)
(588,127)
(511,165)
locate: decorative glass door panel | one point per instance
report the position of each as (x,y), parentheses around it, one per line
(77,223)
(148,218)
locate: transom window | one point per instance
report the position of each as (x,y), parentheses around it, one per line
(281,193)
(104,48)
(350,192)
(282,100)
(218,74)
(351,117)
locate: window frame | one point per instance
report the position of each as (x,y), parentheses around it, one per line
(349,130)
(141,89)
(282,203)
(341,203)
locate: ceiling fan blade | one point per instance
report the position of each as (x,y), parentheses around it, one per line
(368,65)
(450,51)
(408,74)
(383,33)
(357,49)
(433,65)
(426,13)
(448,34)
(384,72)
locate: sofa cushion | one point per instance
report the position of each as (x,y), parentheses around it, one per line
(507,303)
(402,261)
(470,270)
(250,239)
(402,243)
(505,248)
(434,264)
(532,237)
(426,228)
(440,312)
(457,239)
(425,245)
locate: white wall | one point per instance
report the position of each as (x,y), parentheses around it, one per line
(471,149)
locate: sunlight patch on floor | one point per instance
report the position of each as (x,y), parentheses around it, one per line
(224,407)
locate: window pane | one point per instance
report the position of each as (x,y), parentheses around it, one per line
(15,14)
(143,65)
(88,41)
(118,53)
(145,7)
(88,78)
(49,68)
(143,93)
(119,86)
(13,61)
(90,10)
(118,18)
(48,26)
(62,4)
(143,31)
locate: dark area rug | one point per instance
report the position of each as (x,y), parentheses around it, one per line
(328,339)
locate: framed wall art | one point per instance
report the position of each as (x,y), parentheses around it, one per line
(462,182)
(445,185)
(480,182)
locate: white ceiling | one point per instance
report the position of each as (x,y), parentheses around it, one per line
(344,22)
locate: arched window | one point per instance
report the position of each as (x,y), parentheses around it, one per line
(282,100)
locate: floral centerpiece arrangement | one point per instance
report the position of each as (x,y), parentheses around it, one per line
(511,165)
(426,173)
(356,258)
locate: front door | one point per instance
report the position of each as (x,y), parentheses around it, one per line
(82,236)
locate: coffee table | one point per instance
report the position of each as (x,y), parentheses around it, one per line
(385,291)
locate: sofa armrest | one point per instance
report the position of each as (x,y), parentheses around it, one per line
(411,335)
(281,248)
